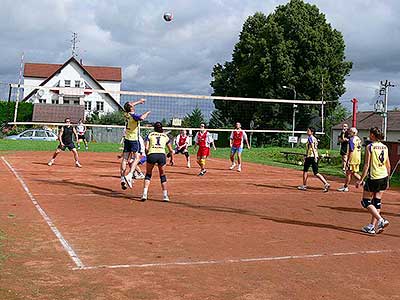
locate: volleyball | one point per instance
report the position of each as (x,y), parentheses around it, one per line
(168,17)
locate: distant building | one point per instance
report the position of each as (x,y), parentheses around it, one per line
(72,76)
(366,120)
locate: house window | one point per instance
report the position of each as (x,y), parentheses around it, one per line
(77,83)
(54,101)
(67,83)
(71,100)
(76,102)
(88,105)
(42,100)
(99,105)
(66,100)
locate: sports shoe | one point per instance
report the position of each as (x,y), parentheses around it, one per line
(124,186)
(51,162)
(302,187)
(239,169)
(381,225)
(86,148)
(165,198)
(144,197)
(79,147)
(326,187)
(78,165)
(128,179)
(188,165)
(140,176)
(232,166)
(343,189)
(368,229)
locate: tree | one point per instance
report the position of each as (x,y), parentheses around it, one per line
(111,118)
(294,46)
(194,119)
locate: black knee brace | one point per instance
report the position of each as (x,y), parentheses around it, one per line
(147,177)
(365,202)
(376,202)
(186,154)
(163,178)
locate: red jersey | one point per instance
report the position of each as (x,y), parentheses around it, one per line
(202,139)
(182,140)
(237,137)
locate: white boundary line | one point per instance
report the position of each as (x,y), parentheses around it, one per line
(229,261)
(49,222)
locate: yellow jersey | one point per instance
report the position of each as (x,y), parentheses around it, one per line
(132,126)
(157,142)
(312,146)
(379,155)
(355,149)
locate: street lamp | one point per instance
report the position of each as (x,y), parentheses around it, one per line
(294,108)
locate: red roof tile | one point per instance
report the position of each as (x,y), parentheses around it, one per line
(98,72)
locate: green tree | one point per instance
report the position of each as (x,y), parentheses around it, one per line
(194,119)
(113,118)
(293,46)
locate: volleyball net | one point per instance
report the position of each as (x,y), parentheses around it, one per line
(182,111)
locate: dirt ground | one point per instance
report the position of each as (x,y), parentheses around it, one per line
(227,235)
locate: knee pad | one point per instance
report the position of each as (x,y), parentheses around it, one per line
(376,202)
(147,177)
(365,202)
(203,162)
(163,178)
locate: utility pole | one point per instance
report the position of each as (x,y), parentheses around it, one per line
(19,87)
(385,85)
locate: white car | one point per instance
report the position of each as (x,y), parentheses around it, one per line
(34,135)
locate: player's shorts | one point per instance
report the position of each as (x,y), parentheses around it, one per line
(310,162)
(203,152)
(69,146)
(81,137)
(157,158)
(181,151)
(354,168)
(131,146)
(236,149)
(142,160)
(375,185)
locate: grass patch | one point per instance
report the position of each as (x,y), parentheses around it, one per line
(270,156)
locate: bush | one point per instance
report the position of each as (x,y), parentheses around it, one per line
(25,111)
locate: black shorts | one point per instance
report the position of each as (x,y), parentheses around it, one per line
(310,162)
(81,137)
(181,151)
(375,185)
(69,146)
(131,146)
(157,158)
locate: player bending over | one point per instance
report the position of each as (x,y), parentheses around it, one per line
(155,144)
(181,146)
(236,142)
(377,168)
(65,138)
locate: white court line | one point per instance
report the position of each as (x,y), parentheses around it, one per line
(241,260)
(49,222)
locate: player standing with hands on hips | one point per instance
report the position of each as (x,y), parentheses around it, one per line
(377,168)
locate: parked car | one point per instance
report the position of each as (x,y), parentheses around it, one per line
(34,135)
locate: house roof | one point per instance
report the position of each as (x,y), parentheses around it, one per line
(72,59)
(57,112)
(368,119)
(99,73)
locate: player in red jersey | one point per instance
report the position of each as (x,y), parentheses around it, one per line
(182,143)
(203,139)
(236,142)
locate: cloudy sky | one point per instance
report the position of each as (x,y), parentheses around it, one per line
(179,56)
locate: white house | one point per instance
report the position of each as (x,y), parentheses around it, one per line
(72,76)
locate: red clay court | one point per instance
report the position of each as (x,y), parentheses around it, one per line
(74,234)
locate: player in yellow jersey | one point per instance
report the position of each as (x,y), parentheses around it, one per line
(311,160)
(376,170)
(353,159)
(155,144)
(131,142)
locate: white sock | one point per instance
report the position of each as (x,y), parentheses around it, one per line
(145,190)
(165,193)
(239,165)
(122,178)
